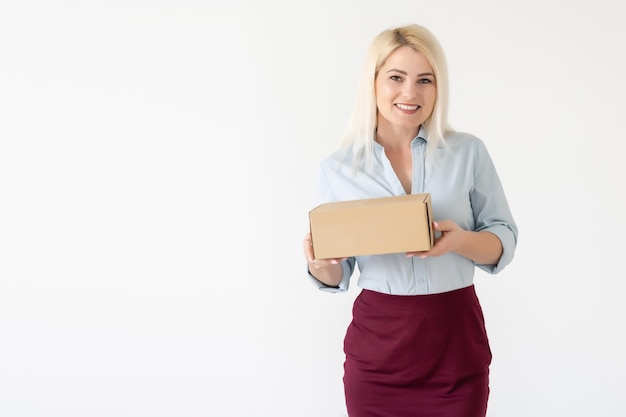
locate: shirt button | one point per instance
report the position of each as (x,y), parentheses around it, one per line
(420,281)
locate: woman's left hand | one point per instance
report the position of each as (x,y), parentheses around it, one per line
(451,238)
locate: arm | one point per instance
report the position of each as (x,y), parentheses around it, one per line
(481,247)
(491,242)
(327,271)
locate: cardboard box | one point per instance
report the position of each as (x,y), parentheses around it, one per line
(372,226)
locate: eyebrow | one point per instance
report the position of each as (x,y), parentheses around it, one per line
(405,73)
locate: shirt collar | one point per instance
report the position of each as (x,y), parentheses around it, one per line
(422,136)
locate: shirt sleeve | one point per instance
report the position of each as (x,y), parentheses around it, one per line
(344,284)
(491,209)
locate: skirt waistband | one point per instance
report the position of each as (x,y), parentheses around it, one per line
(446,300)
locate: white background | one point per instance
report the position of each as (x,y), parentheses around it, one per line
(157,160)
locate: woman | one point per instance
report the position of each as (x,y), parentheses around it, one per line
(417,344)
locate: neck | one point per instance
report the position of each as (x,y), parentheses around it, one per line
(389,137)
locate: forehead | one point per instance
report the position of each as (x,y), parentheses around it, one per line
(407,59)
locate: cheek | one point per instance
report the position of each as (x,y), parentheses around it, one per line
(385,90)
(382,97)
(432,97)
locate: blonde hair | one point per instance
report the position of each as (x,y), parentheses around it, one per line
(361,130)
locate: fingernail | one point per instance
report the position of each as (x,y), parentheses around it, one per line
(333,261)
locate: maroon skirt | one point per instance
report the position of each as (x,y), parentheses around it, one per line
(414,356)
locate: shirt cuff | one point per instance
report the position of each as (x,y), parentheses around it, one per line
(509,241)
(347,267)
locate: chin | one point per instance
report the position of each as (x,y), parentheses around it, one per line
(409,126)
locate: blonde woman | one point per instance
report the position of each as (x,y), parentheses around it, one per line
(417,344)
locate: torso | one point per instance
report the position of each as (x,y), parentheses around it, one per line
(402,164)
(451,183)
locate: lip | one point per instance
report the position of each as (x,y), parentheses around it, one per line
(407,108)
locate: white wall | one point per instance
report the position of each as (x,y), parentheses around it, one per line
(156,168)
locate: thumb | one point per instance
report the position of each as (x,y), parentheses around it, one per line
(444,226)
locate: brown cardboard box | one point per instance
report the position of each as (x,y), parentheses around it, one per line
(372,226)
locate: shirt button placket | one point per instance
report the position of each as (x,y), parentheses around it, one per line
(419,265)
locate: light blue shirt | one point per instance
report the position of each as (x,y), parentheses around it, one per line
(464,188)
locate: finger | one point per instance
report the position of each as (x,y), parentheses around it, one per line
(440,225)
(337,260)
(444,225)
(307,245)
(321,263)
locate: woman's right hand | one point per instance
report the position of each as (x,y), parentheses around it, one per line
(310,255)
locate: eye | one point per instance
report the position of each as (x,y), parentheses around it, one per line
(395,78)
(424,81)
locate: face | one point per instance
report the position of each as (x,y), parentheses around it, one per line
(405,91)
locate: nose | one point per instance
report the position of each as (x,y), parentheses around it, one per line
(409,90)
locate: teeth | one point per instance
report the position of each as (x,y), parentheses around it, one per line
(405,107)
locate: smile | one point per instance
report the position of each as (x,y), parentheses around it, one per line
(407,107)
